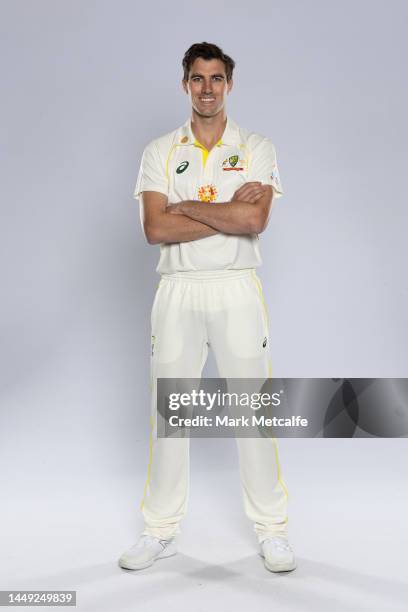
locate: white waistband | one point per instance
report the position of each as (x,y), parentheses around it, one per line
(208,275)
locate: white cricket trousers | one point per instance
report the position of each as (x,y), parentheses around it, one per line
(224,310)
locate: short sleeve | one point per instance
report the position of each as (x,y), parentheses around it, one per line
(152,172)
(263,166)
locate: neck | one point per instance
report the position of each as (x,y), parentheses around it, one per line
(208,130)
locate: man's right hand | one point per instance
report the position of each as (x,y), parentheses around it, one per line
(249,192)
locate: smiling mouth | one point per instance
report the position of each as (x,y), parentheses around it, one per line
(207,100)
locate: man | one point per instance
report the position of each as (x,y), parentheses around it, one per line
(205,191)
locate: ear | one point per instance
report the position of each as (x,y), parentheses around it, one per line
(185,86)
(229,85)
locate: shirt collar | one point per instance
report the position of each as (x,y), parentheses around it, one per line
(229,137)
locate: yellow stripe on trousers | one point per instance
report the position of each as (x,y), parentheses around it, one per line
(149,465)
(150,462)
(260,291)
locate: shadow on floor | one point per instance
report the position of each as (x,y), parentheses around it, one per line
(312,585)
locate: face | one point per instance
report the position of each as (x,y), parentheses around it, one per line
(207,86)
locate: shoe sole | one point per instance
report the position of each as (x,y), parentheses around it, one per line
(283,567)
(137,566)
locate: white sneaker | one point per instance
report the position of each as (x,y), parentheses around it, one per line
(146,551)
(278,555)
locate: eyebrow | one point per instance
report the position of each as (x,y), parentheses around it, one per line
(197,74)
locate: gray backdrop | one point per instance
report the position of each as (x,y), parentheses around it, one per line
(85,86)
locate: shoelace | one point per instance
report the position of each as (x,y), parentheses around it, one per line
(148,539)
(281,545)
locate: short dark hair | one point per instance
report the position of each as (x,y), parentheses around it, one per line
(207,51)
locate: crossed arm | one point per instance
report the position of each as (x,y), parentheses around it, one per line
(247,213)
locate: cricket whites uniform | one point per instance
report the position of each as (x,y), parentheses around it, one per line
(209,296)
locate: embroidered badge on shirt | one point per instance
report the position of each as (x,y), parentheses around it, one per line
(234,163)
(207,193)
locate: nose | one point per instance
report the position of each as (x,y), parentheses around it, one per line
(206,88)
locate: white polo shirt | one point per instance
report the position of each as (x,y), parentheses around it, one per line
(178,166)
